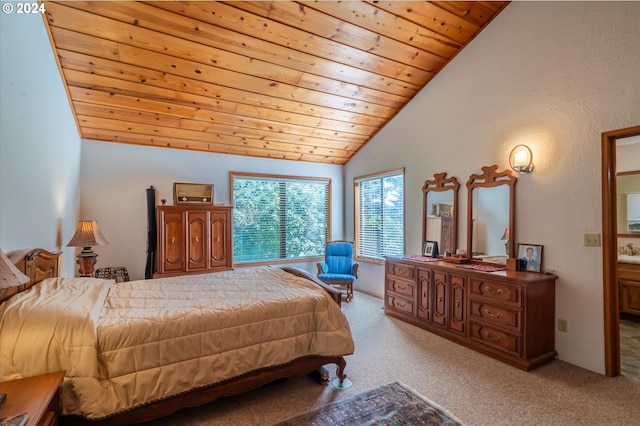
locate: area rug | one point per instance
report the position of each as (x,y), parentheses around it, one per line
(389,405)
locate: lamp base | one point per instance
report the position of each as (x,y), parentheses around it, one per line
(86,265)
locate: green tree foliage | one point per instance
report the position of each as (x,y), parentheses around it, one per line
(279,219)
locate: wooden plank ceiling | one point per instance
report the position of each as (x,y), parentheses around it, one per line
(309,81)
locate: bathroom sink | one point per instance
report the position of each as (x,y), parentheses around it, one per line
(625,258)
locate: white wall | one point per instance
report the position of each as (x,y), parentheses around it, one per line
(114,178)
(553,75)
(39,144)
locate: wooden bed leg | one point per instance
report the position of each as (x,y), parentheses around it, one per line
(341,364)
(341,381)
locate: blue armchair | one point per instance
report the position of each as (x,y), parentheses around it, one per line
(338,268)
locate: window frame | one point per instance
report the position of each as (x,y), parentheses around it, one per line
(356,207)
(282,179)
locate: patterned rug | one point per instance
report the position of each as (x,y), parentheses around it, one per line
(389,405)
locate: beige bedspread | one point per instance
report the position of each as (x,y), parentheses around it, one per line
(127,344)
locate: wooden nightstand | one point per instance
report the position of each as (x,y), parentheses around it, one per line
(39,396)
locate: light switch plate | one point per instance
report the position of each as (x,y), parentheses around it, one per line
(591,240)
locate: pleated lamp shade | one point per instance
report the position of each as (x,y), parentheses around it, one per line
(87,235)
(10,276)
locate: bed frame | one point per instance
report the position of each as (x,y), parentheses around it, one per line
(39,264)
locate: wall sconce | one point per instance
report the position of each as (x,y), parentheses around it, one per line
(521,159)
(87,235)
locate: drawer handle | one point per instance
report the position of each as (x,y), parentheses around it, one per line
(401,270)
(498,292)
(401,287)
(494,338)
(197,239)
(488,312)
(173,240)
(400,304)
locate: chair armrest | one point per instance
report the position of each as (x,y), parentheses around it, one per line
(323,268)
(355,269)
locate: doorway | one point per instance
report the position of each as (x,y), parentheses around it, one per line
(609,247)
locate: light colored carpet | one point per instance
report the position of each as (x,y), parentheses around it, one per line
(476,389)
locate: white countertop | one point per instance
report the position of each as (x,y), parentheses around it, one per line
(624,258)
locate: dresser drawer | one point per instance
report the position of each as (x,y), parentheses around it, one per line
(489,313)
(501,340)
(402,271)
(400,304)
(402,287)
(500,292)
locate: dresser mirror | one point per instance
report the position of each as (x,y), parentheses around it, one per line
(440,212)
(491,217)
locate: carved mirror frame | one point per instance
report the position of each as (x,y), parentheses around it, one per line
(489,178)
(440,183)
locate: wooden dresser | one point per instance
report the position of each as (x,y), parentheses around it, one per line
(629,283)
(193,240)
(508,315)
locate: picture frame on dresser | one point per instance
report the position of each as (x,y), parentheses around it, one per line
(430,249)
(529,257)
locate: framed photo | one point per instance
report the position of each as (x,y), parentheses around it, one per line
(529,257)
(192,193)
(430,249)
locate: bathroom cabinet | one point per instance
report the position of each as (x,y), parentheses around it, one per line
(629,283)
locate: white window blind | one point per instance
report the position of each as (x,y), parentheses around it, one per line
(279,217)
(380,215)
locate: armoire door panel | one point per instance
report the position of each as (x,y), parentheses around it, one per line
(173,259)
(196,240)
(218,226)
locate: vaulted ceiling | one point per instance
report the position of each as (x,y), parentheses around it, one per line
(310,81)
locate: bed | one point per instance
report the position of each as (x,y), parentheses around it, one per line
(139,350)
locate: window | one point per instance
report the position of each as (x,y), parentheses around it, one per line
(279,217)
(379,215)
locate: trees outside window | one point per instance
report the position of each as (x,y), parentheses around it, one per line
(279,217)
(379,215)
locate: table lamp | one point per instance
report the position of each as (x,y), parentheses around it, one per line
(87,235)
(505,237)
(10,276)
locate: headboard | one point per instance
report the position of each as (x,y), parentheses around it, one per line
(37,264)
